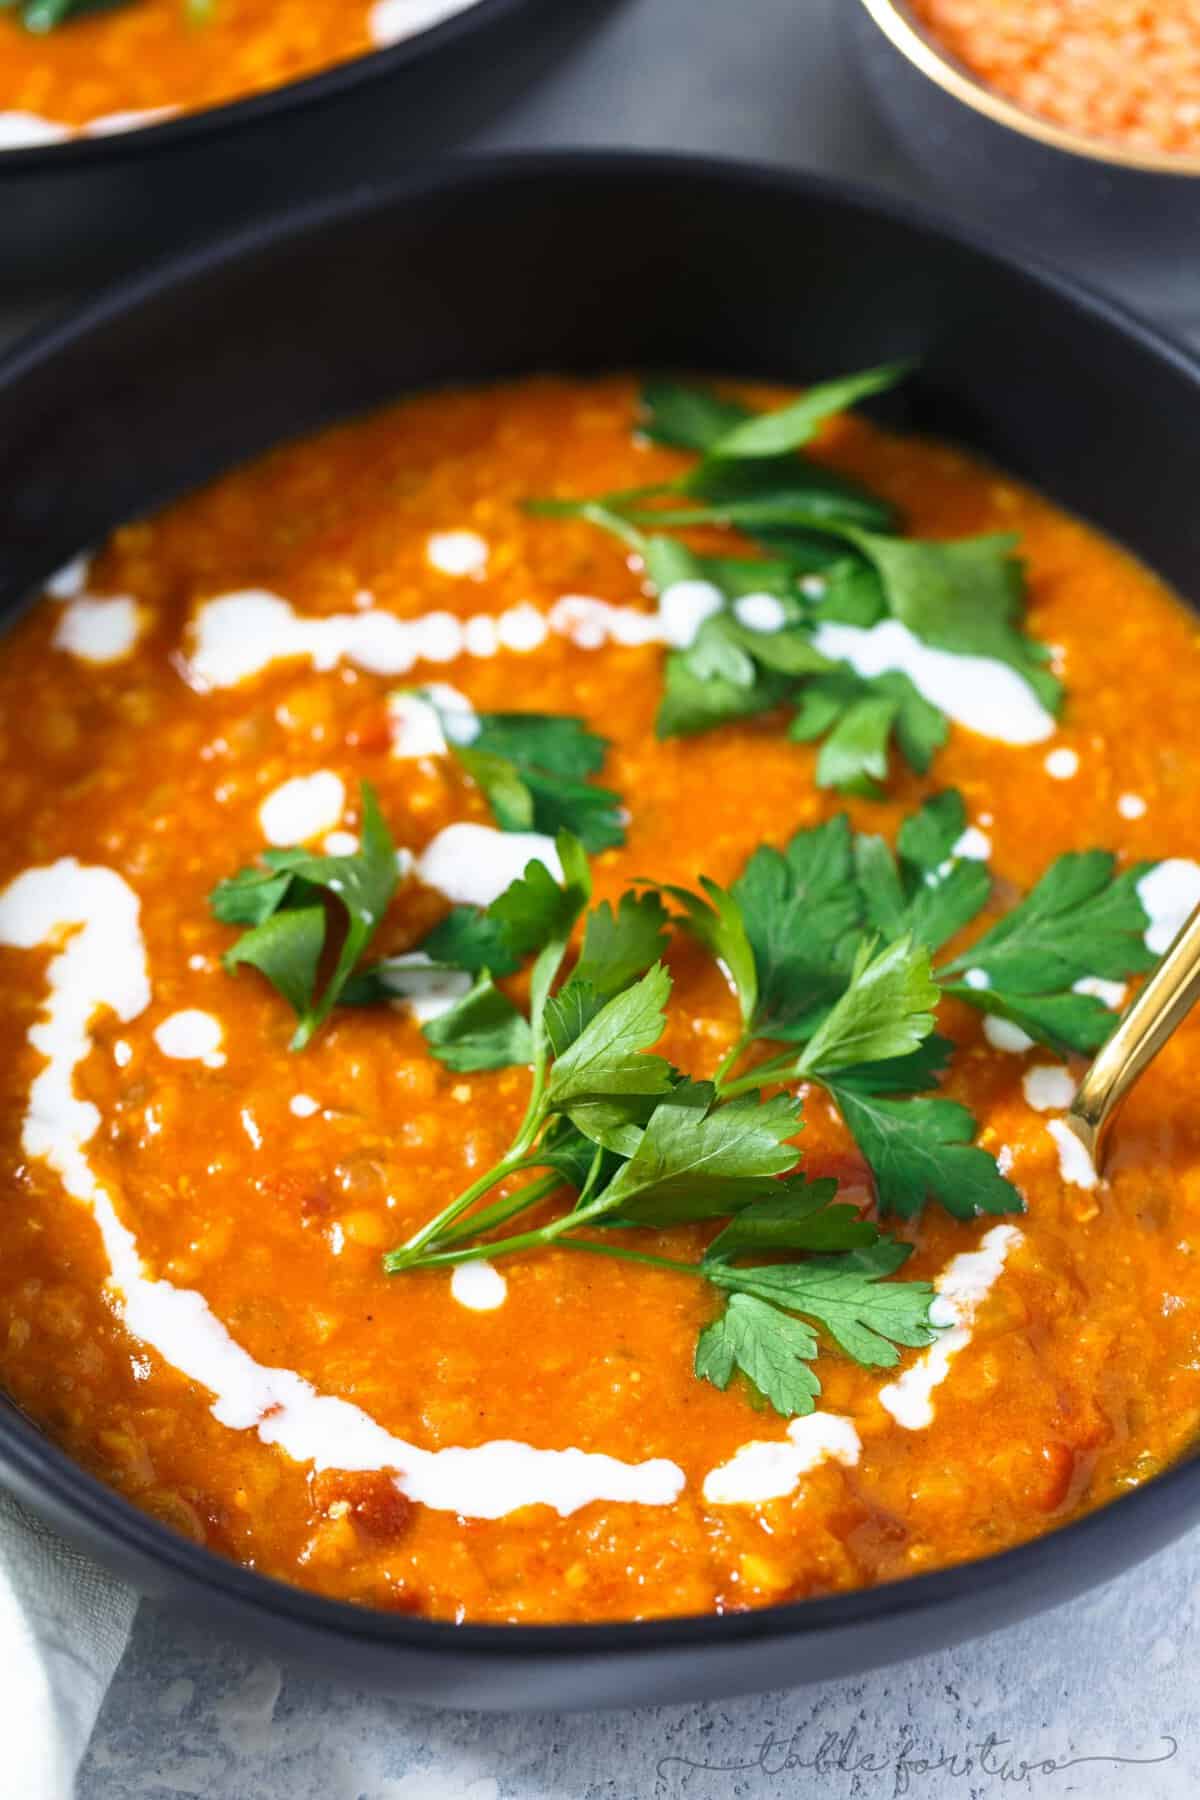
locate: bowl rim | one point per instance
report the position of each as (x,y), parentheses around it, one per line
(1148,1515)
(323,85)
(918,46)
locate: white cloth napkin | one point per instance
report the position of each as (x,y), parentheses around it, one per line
(64,1625)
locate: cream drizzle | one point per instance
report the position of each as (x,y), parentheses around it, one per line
(976,691)
(391,21)
(473,864)
(191,1036)
(28,130)
(1002,1034)
(103,965)
(424,987)
(1074,1164)
(456,553)
(425,721)
(962,1287)
(766,1469)
(1168,891)
(303,808)
(235,636)
(479,1286)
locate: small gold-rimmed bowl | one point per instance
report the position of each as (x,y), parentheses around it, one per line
(1074,196)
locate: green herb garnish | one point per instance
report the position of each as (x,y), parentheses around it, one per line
(42,16)
(645,1146)
(1081,920)
(533,769)
(289,903)
(832,557)
(831,944)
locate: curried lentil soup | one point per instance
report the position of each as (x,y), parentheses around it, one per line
(191,1296)
(141,60)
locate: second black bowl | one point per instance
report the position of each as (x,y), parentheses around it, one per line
(78,213)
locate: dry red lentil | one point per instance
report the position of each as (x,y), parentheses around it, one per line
(1111,69)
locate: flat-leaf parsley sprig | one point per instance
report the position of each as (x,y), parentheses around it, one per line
(832,557)
(644,1145)
(535,771)
(832,945)
(815,934)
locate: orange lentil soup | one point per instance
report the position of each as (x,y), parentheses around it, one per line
(1115,69)
(263,1183)
(151,56)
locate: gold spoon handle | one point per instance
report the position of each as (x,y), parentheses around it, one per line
(1169,994)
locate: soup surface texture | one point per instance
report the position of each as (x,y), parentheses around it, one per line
(191,1296)
(135,63)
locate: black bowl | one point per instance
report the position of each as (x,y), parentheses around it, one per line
(86,210)
(589,262)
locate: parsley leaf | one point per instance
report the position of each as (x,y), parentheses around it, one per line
(847,1296)
(569,1012)
(695,701)
(912,1074)
(863,715)
(748,470)
(964,595)
(472,940)
(787,427)
(483,1030)
(885,1012)
(689,417)
(534,915)
(575,1157)
(854,757)
(718,923)
(249,897)
(921,1147)
(1080,919)
(288,918)
(535,909)
(685,417)
(929,891)
(557,743)
(801,912)
(619,946)
(772,1349)
(692,1163)
(286,948)
(533,769)
(607,1058)
(1078,1024)
(768,496)
(799,1215)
